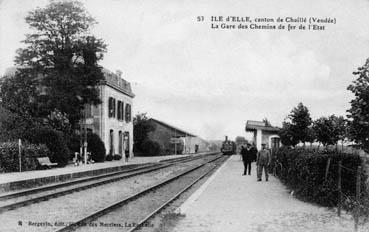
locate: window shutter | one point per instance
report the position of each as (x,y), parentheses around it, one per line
(119,109)
(110,107)
(126,115)
(123,111)
(128,112)
(130,115)
(114,108)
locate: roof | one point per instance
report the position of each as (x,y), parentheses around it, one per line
(259,125)
(113,80)
(180,132)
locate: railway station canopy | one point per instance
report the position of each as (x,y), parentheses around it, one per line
(252,126)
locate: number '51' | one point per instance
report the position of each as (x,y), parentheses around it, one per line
(200,18)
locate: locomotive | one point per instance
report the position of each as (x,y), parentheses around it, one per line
(228,147)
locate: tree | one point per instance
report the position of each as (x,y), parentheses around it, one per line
(288,134)
(311,136)
(141,127)
(359,111)
(300,122)
(326,130)
(341,129)
(240,140)
(295,127)
(57,70)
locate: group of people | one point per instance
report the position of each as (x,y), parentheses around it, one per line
(262,158)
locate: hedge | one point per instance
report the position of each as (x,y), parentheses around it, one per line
(55,142)
(73,143)
(96,146)
(150,148)
(109,157)
(304,172)
(9,156)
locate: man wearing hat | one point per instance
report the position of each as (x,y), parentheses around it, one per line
(262,161)
(248,156)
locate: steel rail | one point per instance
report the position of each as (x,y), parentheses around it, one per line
(19,204)
(157,210)
(124,174)
(81,180)
(120,203)
(67,183)
(202,155)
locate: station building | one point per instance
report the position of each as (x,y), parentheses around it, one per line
(112,119)
(263,133)
(173,140)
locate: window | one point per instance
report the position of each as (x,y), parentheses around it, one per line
(118,116)
(128,112)
(114,107)
(120,110)
(111,107)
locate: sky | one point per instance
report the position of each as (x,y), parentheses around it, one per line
(209,82)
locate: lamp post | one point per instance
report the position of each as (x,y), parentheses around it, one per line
(85,134)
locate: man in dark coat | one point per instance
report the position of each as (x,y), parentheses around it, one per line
(248,156)
(254,152)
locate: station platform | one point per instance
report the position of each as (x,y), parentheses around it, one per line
(21,180)
(229,201)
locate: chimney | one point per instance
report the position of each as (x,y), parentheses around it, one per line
(119,73)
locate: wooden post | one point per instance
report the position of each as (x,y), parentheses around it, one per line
(357,210)
(339,189)
(20,154)
(327,169)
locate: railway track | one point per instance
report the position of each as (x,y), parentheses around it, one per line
(162,189)
(26,197)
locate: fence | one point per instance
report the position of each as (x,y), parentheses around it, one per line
(341,195)
(358,204)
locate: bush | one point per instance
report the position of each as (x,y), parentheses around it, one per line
(109,158)
(73,143)
(54,140)
(9,156)
(117,157)
(96,147)
(304,172)
(150,148)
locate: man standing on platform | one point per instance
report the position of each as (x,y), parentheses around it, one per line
(254,152)
(248,156)
(262,161)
